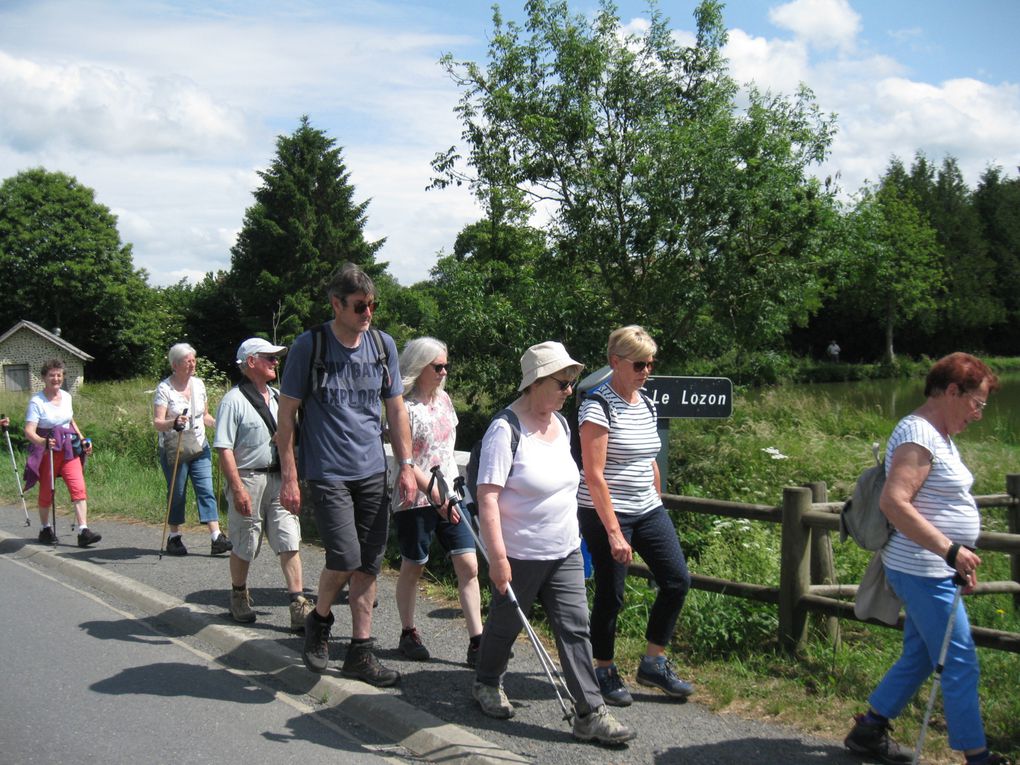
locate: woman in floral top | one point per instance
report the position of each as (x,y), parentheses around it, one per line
(424,367)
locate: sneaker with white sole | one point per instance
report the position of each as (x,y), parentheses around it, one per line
(493,701)
(602,727)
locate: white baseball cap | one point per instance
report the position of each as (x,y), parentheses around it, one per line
(254,345)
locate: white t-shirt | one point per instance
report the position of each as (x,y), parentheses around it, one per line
(538,501)
(944,500)
(49,414)
(631,449)
(176,403)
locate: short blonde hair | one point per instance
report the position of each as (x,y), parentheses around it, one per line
(631,342)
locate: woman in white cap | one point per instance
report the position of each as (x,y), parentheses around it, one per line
(527,501)
(181,404)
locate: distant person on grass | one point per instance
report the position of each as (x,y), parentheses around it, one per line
(245,432)
(341,462)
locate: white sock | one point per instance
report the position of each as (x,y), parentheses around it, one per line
(213,535)
(174,534)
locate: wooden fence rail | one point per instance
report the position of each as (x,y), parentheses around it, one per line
(806,575)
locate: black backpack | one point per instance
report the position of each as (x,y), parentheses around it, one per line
(471,472)
(596,394)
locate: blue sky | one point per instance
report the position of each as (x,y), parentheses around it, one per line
(169,109)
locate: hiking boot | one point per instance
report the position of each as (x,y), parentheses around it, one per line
(492,700)
(994,758)
(88,537)
(411,645)
(602,727)
(240,606)
(221,545)
(316,650)
(300,607)
(872,739)
(658,672)
(613,691)
(361,664)
(46,536)
(175,546)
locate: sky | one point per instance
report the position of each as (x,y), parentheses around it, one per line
(168,109)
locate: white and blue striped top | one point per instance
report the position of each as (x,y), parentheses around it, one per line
(631,450)
(944,500)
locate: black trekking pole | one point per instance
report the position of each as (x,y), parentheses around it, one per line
(14,465)
(170,488)
(460,500)
(937,679)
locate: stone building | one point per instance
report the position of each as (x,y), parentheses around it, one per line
(24,348)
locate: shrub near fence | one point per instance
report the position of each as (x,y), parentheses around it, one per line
(807,580)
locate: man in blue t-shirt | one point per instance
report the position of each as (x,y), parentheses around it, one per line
(341,462)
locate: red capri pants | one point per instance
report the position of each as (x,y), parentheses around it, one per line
(70,471)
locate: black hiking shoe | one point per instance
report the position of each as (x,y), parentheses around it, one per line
(175,546)
(46,536)
(872,739)
(221,545)
(361,664)
(611,686)
(412,646)
(316,650)
(88,537)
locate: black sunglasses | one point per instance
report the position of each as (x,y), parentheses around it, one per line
(641,366)
(361,306)
(440,367)
(564,384)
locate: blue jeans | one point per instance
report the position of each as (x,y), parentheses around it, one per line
(928,602)
(200,471)
(653,537)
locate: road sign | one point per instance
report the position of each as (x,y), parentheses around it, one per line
(690,397)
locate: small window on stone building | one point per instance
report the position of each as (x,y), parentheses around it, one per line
(16,377)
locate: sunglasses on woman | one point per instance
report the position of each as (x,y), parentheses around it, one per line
(441,368)
(564,384)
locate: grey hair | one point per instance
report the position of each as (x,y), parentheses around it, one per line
(178,352)
(417,355)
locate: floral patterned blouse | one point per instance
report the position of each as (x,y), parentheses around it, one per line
(433,433)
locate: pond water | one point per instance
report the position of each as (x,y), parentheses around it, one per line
(896,398)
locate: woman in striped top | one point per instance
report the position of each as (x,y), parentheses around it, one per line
(620,511)
(927,499)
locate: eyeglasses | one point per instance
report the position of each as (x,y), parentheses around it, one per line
(641,366)
(269,357)
(360,308)
(440,368)
(980,404)
(564,384)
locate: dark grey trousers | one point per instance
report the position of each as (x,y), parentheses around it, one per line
(559,586)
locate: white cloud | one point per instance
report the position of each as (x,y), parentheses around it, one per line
(108,110)
(824,24)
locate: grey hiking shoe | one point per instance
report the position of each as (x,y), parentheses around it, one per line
(602,727)
(613,691)
(412,646)
(316,650)
(492,700)
(240,606)
(872,740)
(658,672)
(300,607)
(361,664)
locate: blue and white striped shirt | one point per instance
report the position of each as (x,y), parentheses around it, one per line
(632,447)
(944,500)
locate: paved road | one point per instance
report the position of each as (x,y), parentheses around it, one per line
(85,681)
(430,713)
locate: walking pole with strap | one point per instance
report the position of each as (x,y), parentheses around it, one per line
(937,679)
(14,464)
(170,491)
(459,501)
